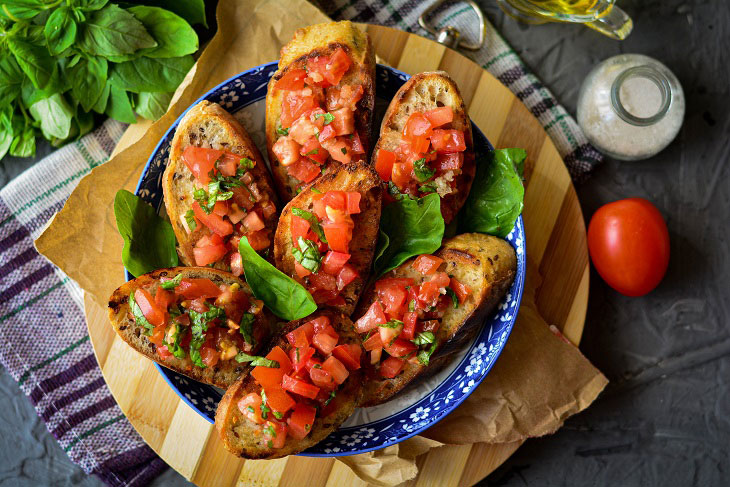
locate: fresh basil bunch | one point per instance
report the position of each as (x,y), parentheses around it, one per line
(62,60)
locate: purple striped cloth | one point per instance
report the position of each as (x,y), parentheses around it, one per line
(44,343)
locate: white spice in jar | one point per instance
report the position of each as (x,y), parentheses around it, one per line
(631,107)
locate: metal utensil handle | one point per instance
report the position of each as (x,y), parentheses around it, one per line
(450,35)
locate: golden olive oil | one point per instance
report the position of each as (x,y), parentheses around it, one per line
(560,9)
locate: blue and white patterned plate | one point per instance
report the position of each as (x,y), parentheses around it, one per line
(421,405)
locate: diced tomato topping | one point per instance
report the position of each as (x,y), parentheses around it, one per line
(299,227)
(419,144)
(322,378)
(336,369)
(278,400)
(214,222)
(299,357)
(375,355)
(242,197)
(314,151)
(322,281)
(449,160)
(253,222)
(301,270)
(236,264)
(275,434)
(410,319)
(293,80)
(401,174)
(268,209)
(373,342)
(294,105)
(441,279)
(357,147)
(339,235)
(298,337)
(201,161)
(301,420)
(392,294)
(320,324)
(427,264)
(344,354)
(158,334)
(431,325)
(326,133)
(346,275)
(448,140)
(164,352)
(347,96)
(259,240)
(164,298)
(440,116)
(304,170)
(384,163)
(228,164)
(197,288)
(400,348)
(344,122)
(462,290)
(389,333)
(286,150)
(299,387)
(302,130)
(250,407)
(235,213)
(333,261)
(209,254)
(324,342)
(209,355)
(352,206)
(417,125)
(269,376)
(374,317)
(331,67)
(391,367)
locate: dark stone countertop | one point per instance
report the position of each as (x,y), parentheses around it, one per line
(664,418)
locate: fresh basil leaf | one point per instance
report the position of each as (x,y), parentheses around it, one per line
(427,188)
(139,316)
(193,11)
(313,221)
(425,355)
(149,242)
(454,298)
(35,61)
(408,227)
(246,328)
(60,30)
(145,74)
(174,36)
(103,101)
(88,79)
(190,220)
(54,115)
(496,198)
(6,130)
(21,9)
(307,254)
(256,361)
(172,283)
(285,297)
(23,144)
(84,121)
(11,77)
(119,107)
(152,105)
(424,338)
(89,5)
(112,32)
(422,171)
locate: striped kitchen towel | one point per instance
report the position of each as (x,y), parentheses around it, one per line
(496,56)
(44,343)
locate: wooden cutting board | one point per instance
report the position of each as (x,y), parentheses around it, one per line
(556,242)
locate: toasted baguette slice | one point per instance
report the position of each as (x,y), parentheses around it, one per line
(487,265)
(423,92)
(207,125)
(347,177)
(222,374)
(323,40)
(243,438)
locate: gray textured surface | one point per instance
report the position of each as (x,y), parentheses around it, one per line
(664,418)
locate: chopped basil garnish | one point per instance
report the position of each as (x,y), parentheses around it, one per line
(246,328)
(422,171)
(256,361)
(278,415)
(394,191)
(329,399)
(412,305)
(316,191)
(328,117)
(425,355)
(200,322)
(139,316)
(281,131)
(190,220)
(344,150)
(264,408)
(392,324)
(453,296)
(312,152)
(246,163)
(424,338)
(427,188)
(270,430)
(316,366)
(270,444)
(313,221)
(175,336)
(307,255)
(208,199)
(172,283)
(250,409)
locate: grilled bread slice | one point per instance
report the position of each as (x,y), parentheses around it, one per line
(421,93)
(208,125)
(322,40)
(243,437)
(224,373)
(487,265)
(358,177)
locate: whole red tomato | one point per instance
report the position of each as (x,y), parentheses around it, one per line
(629,245)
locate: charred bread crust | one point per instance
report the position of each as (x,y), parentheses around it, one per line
(222,374)
(360,177)
(426,91)
(207,125)
(488,266)
(238,434)
(323,40)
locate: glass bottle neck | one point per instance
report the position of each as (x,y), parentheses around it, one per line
(649,73)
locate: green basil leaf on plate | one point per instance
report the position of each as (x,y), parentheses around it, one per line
(149,242)
(284,296)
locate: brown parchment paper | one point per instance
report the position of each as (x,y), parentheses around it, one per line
(538,381)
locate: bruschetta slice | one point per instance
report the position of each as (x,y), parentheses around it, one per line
(327,234)
(201,322)
(217,189)
(410,319)
(425,143)
(319,104)
(308,385)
